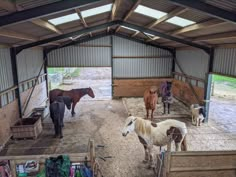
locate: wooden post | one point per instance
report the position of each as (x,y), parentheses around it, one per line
(167,160)
(13,168)
(92,152)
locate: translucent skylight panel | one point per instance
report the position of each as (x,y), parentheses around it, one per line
(64,19)
(97,10)
(131,29)
(180,21)
(151,35)
(149,12)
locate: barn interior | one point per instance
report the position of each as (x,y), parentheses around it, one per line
(143,43)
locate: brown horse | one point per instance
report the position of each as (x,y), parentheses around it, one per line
(75,94)
(150,100)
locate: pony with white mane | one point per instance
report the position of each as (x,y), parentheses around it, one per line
(159,134)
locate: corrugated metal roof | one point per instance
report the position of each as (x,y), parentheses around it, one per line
(194,16)
(27,4)
(212,30)
(123,9)
(165,26)
(162,5)
(29,28)
(140,19)
(229,5)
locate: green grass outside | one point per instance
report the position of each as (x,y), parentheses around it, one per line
(63,71)
(224,79)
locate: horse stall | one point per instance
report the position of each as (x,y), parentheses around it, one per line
(17,165)
(141,44)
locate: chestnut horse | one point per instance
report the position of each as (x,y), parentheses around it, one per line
(75,94)
(150,100)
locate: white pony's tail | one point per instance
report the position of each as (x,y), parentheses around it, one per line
(184,144)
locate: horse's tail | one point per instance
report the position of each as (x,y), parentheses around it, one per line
(184,144)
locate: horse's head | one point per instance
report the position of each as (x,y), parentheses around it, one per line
(129,125)
(90,92)
(67,101)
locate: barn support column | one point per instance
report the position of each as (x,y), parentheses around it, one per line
(45,56)
(112,83)
(13,53)
(207,94)
(173,62)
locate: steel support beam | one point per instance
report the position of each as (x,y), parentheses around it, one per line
(38,12)
(208,9)
(63,36)
(15,78)
(112,79)
(45,70)
(166,36)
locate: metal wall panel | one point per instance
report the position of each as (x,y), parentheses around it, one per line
(225,61)
(193,62)
(139,67)
(6,77)
(125,47)
(29,62)
(76,56)
(142,67)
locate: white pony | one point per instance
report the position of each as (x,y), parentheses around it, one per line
(159,134)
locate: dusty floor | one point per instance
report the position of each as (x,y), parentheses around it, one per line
(103,121)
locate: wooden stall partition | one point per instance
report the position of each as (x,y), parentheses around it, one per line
(135,87)
(88,157)
(182,91)
(200,164)
(9,115)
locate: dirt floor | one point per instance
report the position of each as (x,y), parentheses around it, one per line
(103,121)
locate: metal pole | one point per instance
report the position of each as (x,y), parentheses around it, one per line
(112,82)
(45,69)
(15,78)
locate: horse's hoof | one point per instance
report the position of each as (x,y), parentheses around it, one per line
(55,136)
(61,137)
(145,161)
(151,166)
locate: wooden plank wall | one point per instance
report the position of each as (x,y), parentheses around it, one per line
(134,87)
(9,114)
(182,91)
(202,164)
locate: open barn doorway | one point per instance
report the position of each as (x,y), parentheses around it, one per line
(98,78)
(222,108)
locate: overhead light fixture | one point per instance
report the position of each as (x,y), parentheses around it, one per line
(149,12)
(97,10)
(64,19)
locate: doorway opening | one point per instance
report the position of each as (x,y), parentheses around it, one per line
(222,108)
(67,78)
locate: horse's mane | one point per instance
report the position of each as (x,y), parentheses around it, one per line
(143,126)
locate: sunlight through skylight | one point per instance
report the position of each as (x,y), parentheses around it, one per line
(64,19)
(129,28)
(149,12)
(97,10)
(180,21)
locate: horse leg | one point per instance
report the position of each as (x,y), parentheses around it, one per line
(73,109)
(164,105)
(146,158)
(60,126)
(152,114)
(151,161)
(147,113)
(56,125)
(168,108)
